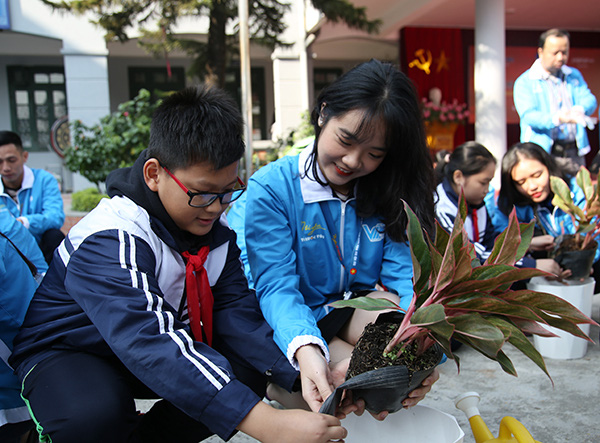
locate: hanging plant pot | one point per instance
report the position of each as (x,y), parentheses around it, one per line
(382,381)
(569,255)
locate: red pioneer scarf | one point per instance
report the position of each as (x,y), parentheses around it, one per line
(199,295)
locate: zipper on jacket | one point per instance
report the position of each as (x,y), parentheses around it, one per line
(342,287)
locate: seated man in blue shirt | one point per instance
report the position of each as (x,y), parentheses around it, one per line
(31,195)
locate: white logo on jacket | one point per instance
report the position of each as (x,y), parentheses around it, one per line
(375,233)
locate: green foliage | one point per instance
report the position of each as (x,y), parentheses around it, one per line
(86,200)
(113,143)
(457,298)
(586,220)
(297,138)
(156,21)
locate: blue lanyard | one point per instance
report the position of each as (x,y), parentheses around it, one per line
(330,227)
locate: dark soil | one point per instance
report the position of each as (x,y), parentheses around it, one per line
(368,353)
(569,243)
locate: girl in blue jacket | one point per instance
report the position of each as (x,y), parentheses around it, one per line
(329,223)
(525,184)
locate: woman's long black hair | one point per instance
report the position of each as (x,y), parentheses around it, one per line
(509,194)
(385,95)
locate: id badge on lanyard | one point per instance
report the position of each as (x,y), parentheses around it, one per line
(351,270)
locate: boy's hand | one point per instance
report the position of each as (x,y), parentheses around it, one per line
(270,425)
(316,378)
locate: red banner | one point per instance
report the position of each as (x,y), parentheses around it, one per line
(433,58)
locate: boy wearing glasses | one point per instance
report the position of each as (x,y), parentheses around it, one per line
(146,298)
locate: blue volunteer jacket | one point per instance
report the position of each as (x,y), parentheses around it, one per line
(531,95)
(23,239)
(17,286)
(551,219)
(116,288)
(40,203)
(290,254)
(446,208)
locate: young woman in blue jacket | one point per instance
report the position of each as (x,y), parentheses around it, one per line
(525,184)
(329,223)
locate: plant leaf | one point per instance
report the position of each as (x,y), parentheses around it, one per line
(549,303)
(366,303)
(584,181)
(419,250)
(480,333)
(526,236)
(434,318)
(516,338)
(507,244)
(493,305)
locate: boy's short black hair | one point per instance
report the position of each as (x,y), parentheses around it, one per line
(9,137)
(195,125)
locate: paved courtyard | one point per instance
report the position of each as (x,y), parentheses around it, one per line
(565,413)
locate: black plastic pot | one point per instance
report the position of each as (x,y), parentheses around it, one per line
(382,389)
(579,262)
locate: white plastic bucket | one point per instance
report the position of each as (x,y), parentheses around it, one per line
(417,424)
(566,346)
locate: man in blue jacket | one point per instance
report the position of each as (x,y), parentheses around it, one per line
(554,102)
(31,195)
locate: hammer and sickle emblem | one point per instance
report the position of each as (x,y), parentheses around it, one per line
(421,62)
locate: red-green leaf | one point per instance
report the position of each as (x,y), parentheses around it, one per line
(549,303)
(526,236)
(516,338)
(507,243)
(366,303)
(419,250)
(433,318)
(493,305)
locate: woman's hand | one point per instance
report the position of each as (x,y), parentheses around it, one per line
(549,265)
(358,405)
(542,243)
(316,378)
(418,394)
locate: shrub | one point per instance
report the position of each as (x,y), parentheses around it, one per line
(113,143)
(86,200)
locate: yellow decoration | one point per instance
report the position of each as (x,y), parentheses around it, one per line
(421,62)
(440,135)
(443,62)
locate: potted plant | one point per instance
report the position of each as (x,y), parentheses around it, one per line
(457,298)
(577,251)
(441,120)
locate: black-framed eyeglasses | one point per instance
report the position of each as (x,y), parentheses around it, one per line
(204,199)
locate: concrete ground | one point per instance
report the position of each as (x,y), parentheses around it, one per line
(565,413)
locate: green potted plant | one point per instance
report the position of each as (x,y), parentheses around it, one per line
(577,251)
(457,298)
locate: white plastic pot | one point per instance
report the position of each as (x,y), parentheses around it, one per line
(566,346)
(417,424)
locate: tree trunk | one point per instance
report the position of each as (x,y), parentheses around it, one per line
(217,45)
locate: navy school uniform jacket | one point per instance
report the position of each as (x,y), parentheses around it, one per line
(116,289)
(446,208)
